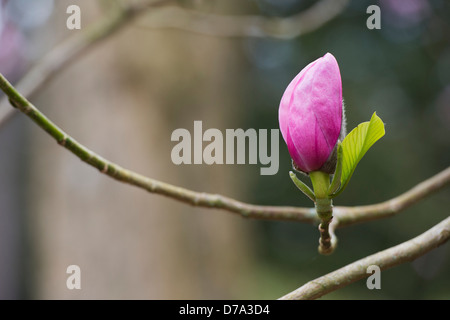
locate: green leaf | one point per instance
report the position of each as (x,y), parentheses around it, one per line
(302,186)
(355,146)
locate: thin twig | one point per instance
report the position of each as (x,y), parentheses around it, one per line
(68,51)
(402,253)
(247,25)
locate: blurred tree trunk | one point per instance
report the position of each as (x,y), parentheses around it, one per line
(123,100)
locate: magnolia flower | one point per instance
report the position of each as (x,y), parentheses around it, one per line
(311,116)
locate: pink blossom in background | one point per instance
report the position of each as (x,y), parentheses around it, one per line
(405,13)
(11,46)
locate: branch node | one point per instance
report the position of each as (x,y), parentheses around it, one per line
(62,141)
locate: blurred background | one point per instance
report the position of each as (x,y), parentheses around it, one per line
(125,96)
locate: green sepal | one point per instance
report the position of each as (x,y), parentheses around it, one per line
(302,186)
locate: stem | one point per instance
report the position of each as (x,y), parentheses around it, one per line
(321,183)
(324,209)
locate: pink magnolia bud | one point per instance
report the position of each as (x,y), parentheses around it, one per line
(311,115)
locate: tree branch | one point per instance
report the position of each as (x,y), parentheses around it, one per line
(250,25)
(351,215)
(343,215)
(402,253)
(116,172)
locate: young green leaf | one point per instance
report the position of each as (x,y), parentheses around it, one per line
(355,146)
